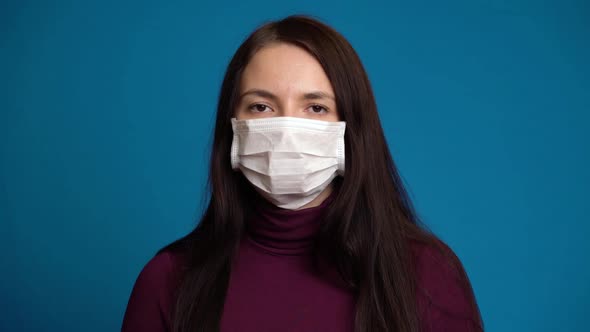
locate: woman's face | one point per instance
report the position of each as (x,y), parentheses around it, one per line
(284,80)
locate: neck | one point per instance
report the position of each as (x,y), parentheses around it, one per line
(283,231)
(320,199)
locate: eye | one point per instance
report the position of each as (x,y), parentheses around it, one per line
(317,109)
(259,108)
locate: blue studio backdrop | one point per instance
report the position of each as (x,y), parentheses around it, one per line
(106,114)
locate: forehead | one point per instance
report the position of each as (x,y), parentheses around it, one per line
(284,68)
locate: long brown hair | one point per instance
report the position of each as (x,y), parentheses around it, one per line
(366,230)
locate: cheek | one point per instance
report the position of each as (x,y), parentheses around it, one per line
(241,114)
(241,111)
(334,116)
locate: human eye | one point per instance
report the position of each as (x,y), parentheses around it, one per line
(259,108)
(317,109)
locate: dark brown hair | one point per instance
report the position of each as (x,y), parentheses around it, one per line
(368,227)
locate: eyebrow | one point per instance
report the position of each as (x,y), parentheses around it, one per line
(312,95)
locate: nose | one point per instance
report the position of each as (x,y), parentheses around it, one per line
(288,109)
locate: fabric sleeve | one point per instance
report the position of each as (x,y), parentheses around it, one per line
(444,297)
(148,308)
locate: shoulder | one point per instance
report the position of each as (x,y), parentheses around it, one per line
(439,277)
(159,271)
(444,293)
(153,294)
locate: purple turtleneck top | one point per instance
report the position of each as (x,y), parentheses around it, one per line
(274,287)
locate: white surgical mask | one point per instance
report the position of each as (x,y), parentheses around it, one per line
(289,160)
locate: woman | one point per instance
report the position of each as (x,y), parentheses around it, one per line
(308,226)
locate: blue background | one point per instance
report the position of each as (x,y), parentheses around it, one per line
(106,117)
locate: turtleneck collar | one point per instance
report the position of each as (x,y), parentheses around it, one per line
(285,232)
